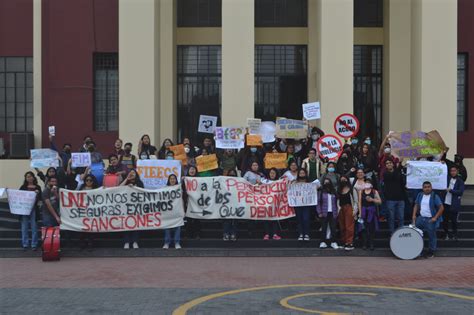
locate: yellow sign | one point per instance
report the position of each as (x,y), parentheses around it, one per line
(276,160)
(206,162)
(254,140)
(179,153)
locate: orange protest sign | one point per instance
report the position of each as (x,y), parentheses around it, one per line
(179,153)
(254,140)
(276,160)
(206,162)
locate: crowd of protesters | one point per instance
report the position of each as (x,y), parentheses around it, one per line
(364,187)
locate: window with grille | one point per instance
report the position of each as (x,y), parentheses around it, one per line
(368,13)
(199,88)
(368,74)
(16,94)
(281,13)
(280,81)
(199,13)
(106,91)
(462,92)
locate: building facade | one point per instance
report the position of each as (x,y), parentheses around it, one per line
(124,68)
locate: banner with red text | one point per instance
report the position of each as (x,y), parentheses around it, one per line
(234,198)
(121,208)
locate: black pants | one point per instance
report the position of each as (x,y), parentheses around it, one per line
(331,221)
(368,234)
(193,227)
(271,227)
(452,216)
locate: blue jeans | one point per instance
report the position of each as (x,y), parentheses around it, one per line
(396,211)
(424,224)
(176,236)
(303,219)
(26,221)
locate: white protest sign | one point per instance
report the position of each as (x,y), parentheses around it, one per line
(329,147)
(267,130)
(254,125)
(52,130)
(312,111)
(21,202)
(419,172)
(207,124)
(128,209)
(154,173)
(303,194)
(225,197)
(2,191)
(346,125)
(44,158)
(230,137)
(81,159)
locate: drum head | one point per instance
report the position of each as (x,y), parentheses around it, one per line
(406,243)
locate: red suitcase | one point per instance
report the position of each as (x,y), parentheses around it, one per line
(51,243)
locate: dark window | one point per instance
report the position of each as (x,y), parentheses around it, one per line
(16,94)
(281,13)
(462,92)
(106,91)
(199,88)
(368,13)
(199,13)
(280,81)
(368,74)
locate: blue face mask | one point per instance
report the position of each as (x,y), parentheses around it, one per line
(331,169)
(253,150)
(368,141)
(169,158)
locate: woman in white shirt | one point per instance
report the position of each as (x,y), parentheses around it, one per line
(292,173)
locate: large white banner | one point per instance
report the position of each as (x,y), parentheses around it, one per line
(21,201)
(121,208)
(154,173)
(234,198)
(421,171)
(303,194)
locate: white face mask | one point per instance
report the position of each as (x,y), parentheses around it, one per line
(315,137)
(368,186)
(387,150)
(186,149)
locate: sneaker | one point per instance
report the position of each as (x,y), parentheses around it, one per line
(446,238)
(126,246)
(233,237)
(166,246)
(334,245)
(429,254)
(300,238)
(382,219)
(276,237)
(306,237)
(135,245)
(177,246)
(349,247)
(323,245)
(226,237)
(266,237)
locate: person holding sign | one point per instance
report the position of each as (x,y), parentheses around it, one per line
(271,227)
(133,179)
(230,226)
(50,209)
(303,213)
(87,239)
(327,211)
(368,200)
(172,181)
(115,167)
(193,228)
(30,183)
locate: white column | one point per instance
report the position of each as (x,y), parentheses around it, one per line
(37,72)
(238,46)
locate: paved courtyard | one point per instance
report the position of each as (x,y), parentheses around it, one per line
(237,285)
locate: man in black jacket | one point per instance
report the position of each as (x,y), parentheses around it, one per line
(394,193)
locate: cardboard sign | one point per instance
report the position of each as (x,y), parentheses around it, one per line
(234,198)
(276,160)
(230,137)
(179,153)
(346,125)
(254,141)
(52,131)
(267,130)
(312,111)
(413,144)
(207,124)
(154,173)
(128,209)
(329,147)
(44,158)
(419,172)
(81,159)
(21,202)
(206,162)
(302,194)
(291,128)
(254,125)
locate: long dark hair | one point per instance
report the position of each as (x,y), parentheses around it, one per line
(298,177)
(95,184)
(168,182)
(342,184)
(195,168)
(329,187)
(138,180)
(276,172)
(35,180)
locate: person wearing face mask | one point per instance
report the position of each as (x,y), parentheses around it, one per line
(349,205)
(227,160)
(208,173)
(368,200)
(355,147)
(247,156)
(164,148)
(169,155)
(65,154)
(96,157)
(345,165)
(127,158)
(327,210)
(330,174)
(385,153)
(303,213)
(316,133)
